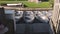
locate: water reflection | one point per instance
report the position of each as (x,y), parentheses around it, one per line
(42,17)
(18,15)
(9,14)
(29,16)
(44,12)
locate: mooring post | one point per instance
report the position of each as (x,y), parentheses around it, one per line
(7,23)
(2,16)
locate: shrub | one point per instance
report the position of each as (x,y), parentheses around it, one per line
(3,4)
(51,2)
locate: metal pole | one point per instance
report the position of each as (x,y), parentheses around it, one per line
(14,21)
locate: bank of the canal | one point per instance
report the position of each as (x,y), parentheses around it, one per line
(30,4)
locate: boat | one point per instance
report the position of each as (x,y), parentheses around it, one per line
(18,4)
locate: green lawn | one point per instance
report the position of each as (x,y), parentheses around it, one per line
(31,4)
(41,5)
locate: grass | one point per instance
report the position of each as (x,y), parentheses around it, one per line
(41,5)
(31,4)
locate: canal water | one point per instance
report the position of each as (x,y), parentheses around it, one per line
(30,22)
